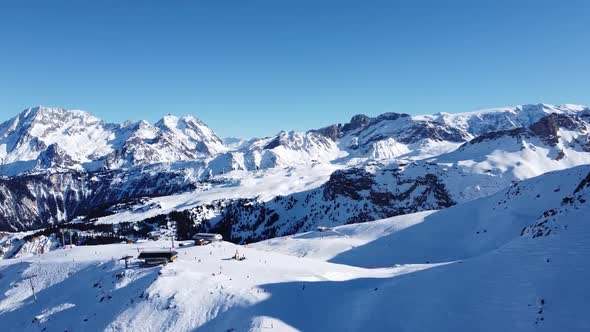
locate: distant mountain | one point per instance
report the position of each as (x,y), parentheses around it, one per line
(61,165)
(234,143)
(478,168)
(385,137)
(393,135)
(43,138)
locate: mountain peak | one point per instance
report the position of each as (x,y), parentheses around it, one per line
(192,131)
(357,121)
(179,122)
(45,110)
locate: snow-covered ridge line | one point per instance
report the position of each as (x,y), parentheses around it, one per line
(390,165)
(44,138)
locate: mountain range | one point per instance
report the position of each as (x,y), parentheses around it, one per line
(468,221)
(41,139)
(62,166)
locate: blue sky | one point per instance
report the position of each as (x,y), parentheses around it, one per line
(252,68)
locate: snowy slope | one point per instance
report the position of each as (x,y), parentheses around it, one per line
(262,185)
(515,261)
(145,299)
(25,136)
(503,118)
(459,232)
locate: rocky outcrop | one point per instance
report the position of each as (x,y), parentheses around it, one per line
(350,196)
(55,157)
(35,201)
(348,183)
(547,127)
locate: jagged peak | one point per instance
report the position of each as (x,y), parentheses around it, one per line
(127,124)
(43,111)
(32,116)
(174,121)
(539,107)
(143,123)
(190,118)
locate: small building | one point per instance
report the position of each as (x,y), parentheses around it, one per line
(158,257)
(208,236)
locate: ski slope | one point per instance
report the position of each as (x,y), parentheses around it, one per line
(82,288)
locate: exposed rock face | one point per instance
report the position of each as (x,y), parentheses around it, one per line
(585,183)
(348,183)
(547,127)
(350,196)
(332,132)
(359,121)
(518,132)
(55,157)
(422,131)
(276,142)
(357,124)
(34,201)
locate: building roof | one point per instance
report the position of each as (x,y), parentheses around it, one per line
(157,254)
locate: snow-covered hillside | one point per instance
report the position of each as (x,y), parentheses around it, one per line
(515,261)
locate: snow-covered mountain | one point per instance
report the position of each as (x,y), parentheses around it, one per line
(41,138)
(44,138)
(393,135)
(516,261)
(484,223)
(283,150)
(478,168)
(367,169)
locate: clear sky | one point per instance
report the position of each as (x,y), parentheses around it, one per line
(252,68)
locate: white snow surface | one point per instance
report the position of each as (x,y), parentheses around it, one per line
(513,261)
